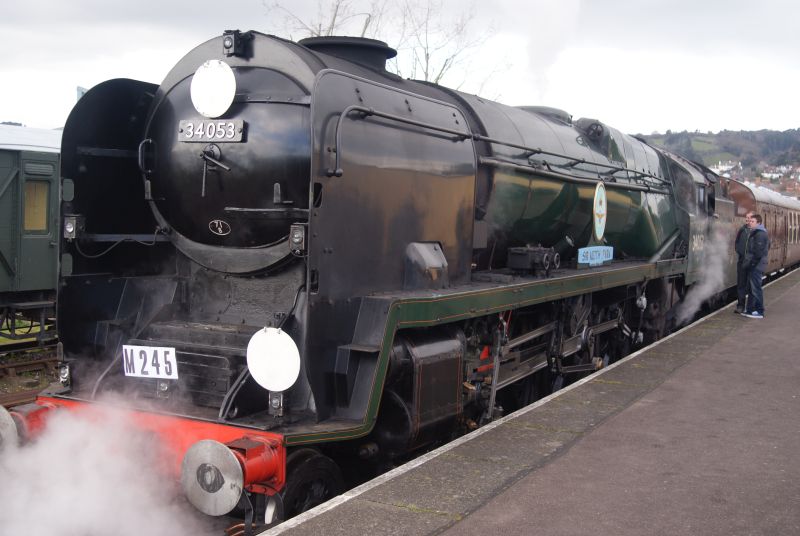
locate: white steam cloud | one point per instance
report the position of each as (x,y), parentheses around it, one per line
(92,473)
(717,250)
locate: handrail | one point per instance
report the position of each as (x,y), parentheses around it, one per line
(572,160)
(569,178)
(337,171)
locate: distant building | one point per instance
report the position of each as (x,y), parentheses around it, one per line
(774,173)
(726,167)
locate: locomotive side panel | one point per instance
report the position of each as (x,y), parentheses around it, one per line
(533,201)
(559,214)
(405,188)
(399,184)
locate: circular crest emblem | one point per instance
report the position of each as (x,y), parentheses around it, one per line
(219,227)
(600,211)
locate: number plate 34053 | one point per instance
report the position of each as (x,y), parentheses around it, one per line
(150,362)
(206,131)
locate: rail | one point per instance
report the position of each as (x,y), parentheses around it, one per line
(14,363)
(18,398)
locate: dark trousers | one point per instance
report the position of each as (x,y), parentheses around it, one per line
(756,300)
(742,285)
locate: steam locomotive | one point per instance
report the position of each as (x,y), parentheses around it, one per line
(291,262)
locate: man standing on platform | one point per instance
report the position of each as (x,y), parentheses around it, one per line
(755,262)
(741,270)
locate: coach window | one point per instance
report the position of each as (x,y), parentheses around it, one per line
(37,194)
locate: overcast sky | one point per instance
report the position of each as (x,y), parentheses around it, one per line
(639,65)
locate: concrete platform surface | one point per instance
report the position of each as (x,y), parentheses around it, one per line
(698,435)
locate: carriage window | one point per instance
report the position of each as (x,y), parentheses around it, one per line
(36,200)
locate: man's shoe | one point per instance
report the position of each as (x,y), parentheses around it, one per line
(738,311)
(754,314)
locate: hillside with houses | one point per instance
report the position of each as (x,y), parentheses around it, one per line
(765,157)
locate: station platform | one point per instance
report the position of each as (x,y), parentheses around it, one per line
(698,434)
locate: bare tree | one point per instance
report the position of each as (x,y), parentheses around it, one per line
(333,17)
(431,45)
(437,45)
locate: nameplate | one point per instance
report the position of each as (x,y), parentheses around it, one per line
(595,255)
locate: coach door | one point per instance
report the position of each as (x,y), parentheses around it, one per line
(9,214)
(39,221)
(782,223)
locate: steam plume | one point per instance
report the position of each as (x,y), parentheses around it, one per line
(717,251)
(90,474)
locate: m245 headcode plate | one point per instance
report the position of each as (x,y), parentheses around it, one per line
(156,362)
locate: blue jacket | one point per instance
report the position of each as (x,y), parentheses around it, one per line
(756,250)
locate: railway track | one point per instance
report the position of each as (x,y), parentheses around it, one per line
(25,371)
(18,346)
(18,398)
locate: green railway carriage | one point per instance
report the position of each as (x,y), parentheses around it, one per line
(29,224)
